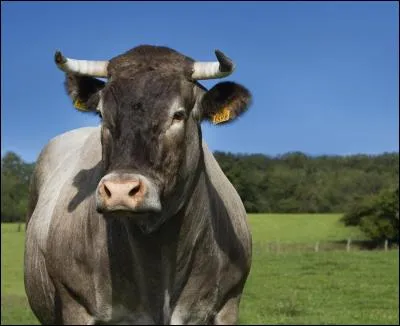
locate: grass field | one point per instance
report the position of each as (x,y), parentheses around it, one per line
(333,287)
(300,228)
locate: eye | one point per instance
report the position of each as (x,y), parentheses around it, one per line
(179,115)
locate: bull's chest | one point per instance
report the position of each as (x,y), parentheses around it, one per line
(157,285)
(190,298)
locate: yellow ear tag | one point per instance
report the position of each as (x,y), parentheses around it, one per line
(222,116)
(80,105)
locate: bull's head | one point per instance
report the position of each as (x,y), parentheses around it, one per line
(151,108)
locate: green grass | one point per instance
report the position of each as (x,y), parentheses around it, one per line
(14,304)
(358,287)
(335,287)
(300,228)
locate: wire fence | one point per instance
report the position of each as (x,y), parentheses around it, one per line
(348,245)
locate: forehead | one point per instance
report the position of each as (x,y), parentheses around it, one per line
(150,90)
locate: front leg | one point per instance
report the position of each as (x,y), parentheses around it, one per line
(229,313)
(69,311)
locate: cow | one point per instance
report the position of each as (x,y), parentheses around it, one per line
(133,221)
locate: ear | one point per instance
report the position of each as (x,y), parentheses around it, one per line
(83,91)
(224,102)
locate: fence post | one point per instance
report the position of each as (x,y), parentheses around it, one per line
(317,246)
(386,244)
(19,227)
(348,244)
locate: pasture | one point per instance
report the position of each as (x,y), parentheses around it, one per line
(288,287)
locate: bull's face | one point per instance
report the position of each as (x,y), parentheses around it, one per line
(150,133)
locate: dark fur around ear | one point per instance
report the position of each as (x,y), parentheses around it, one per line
(84,91)
(224,102)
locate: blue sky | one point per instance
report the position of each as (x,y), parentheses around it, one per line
(324,76)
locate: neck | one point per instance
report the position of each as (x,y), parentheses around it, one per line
(158,262)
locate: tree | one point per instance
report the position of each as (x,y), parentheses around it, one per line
(15,176)
(377,215)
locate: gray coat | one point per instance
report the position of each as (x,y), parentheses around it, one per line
(81,268)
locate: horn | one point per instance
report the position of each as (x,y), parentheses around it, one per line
(217,69)
(82,67)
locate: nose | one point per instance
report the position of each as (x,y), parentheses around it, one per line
(121,194)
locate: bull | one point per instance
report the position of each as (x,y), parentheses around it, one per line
(133,221)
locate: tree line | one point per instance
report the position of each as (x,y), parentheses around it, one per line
(290,183)
(300,183)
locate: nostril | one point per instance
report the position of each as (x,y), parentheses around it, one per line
(107,191)
(135,189)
